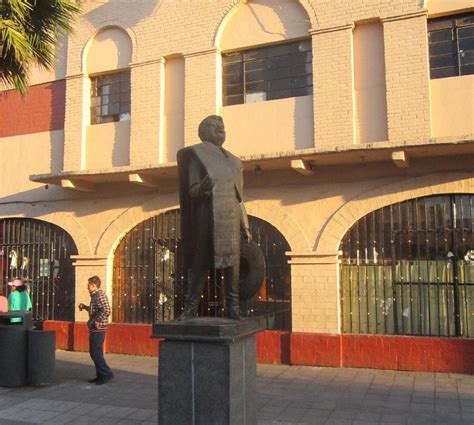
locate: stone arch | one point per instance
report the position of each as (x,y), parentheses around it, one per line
(94,32)
(363,203)
(283,222)
(46,213)
(234,6)
(128,219)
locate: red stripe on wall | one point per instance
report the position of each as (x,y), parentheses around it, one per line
(64,333)
(131,339)
(273,347)
(81,337)
(425,354)
(42,109)
(422,354)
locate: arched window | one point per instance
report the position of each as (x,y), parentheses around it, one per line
(40,254)
(408,269)
(107,99)
(267,52)
(107,63)
(267,76)
(149,280)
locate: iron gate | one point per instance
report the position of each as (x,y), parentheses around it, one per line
(39,253)
(149,280)
(408,269)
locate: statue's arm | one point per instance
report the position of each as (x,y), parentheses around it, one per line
(199,186)
(244,219)
(244,222)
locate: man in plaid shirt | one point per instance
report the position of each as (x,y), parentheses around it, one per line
(99,311)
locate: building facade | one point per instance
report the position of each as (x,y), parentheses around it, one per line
(355,124)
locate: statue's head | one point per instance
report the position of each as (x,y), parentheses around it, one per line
(212,130)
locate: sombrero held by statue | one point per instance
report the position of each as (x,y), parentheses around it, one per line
(213,220)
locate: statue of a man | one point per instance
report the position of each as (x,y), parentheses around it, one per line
(212,215)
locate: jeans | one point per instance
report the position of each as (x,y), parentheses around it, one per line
(96,350)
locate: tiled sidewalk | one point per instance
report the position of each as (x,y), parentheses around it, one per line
(286,396)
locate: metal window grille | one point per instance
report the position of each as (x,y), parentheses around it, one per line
(451,45)
(39,253)
(149,280)
(266,73)
(110,97)
(408,269)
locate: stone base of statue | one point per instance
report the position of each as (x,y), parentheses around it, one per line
(207,372)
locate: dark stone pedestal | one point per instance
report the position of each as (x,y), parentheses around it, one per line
(207,369)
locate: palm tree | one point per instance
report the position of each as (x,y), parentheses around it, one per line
(29,32)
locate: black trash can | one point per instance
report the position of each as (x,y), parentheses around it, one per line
(41,356)
(14,348)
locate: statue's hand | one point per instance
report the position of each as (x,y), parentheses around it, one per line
(202,189)
(248,235)
(206,184)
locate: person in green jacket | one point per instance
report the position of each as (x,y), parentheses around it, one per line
(19,299)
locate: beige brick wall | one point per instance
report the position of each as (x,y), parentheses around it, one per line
(199,92)
(407,78)
(333,92)
(169,27)
(314,298)
(73,124)
(145,112)
(312,213)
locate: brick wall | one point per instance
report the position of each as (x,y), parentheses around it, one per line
(407,78)
(314,298)
(73,129)
(42,109)
(158,32)
(145,112)
(333,88)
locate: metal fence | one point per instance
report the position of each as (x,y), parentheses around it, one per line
(149,279)
(408,269)
(39,253)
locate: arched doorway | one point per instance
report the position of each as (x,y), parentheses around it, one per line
(40,254)
(408,269)
(149,280)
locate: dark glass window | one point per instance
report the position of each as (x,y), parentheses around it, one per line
(267,73)
(110,97)
(451,45)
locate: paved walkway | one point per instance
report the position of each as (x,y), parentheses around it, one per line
(286,396)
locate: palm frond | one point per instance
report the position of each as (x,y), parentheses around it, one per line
(29,32)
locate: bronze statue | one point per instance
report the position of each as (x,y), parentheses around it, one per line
(212,215)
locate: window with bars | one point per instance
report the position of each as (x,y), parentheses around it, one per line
(110,97)
(149,279)
(408,269)
(267,73)
(39,253)
(451,45)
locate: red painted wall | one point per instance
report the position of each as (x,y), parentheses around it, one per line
(315,349)
(273,347)
(131,339)
(81,337)
(384,352)
(277,347)
(42,109)
(64,333)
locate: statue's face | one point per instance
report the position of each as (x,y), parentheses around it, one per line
(216,132)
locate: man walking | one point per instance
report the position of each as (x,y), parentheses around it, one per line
(99,311)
